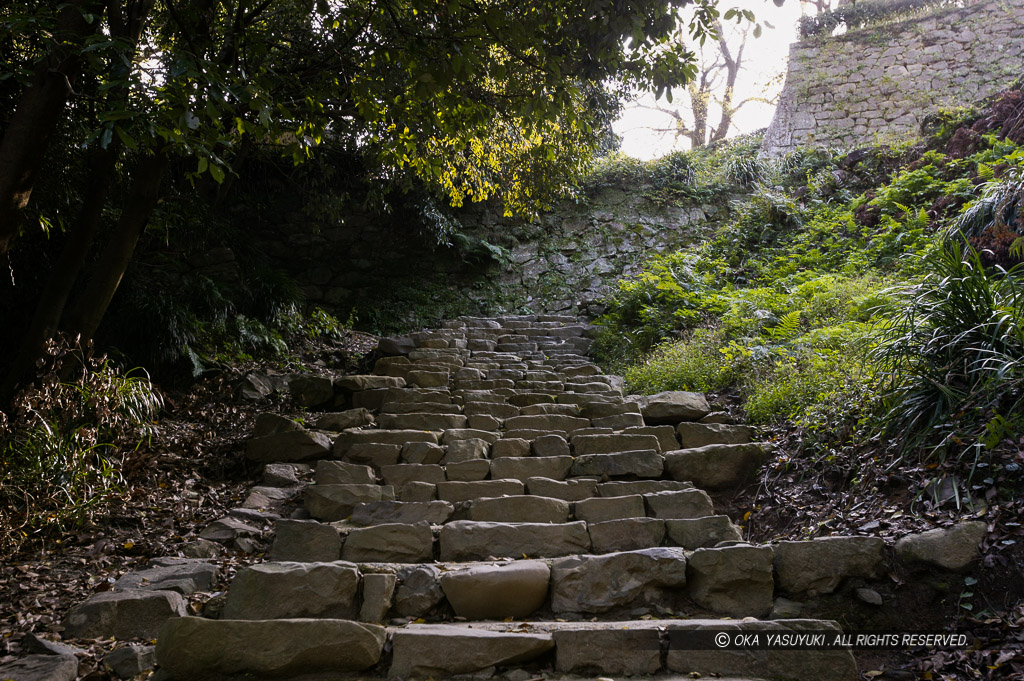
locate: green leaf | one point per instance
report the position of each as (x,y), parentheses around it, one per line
(126,139)
(217,173)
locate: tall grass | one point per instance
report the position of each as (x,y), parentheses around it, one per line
(954,348)
(65,443)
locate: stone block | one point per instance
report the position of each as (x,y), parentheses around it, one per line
(698,533)
(818,566)
(641,464)
(401,512)
(614,443)
(626,535)
(671,407)
(199,648)
(520,509)
(510,447)
(524,468)
(597,584)
(953,548)
(601,509)
(732,580)
(690,503)
(378,591)
(305,541)
(570,490)
(716,467)
(288,590)
(469,540)
(466,491)
(289,446)
(608,651)
(438,651)
(496,592)
(341,473)
(693,435)
(390,543)
(336,502)
(134,613)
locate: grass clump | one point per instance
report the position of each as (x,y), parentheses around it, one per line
(68,440)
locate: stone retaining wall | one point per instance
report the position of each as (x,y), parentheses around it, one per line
(876,84)
(392,277)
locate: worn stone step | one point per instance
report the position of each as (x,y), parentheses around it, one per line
(570,490)
(467,491)
(525,467)
(547,422)
(520,509)
(563,409)
(600,509)
(616,648)
(471,540)
(421,421)
(398,475)
(506,590)
(442,650)
(389,543)
(707,531)
(626,534)
(614,443)
(679,504)
(345,441)
(716,467)
(641,464)
(532,434)
(618,488)
(420,408)
(284,590)
(693,435)
(200,648)
(407,512)
(340,473)
(336,502)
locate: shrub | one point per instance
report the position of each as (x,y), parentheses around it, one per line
(954,348)
(696,363)
(64,448)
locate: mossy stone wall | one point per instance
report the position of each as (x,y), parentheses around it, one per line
(388,276)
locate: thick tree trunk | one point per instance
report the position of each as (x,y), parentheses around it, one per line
(35,119)
(88,311)
(61,281)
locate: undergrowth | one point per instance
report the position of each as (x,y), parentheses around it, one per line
(849,295)
(68,440)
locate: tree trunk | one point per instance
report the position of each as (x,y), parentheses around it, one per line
(36,117)
(64,274)
(84,318)
(699,105)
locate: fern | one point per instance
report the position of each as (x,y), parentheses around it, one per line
(787,328)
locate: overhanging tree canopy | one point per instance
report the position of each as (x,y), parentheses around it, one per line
(473,98)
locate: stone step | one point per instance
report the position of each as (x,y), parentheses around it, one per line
(733,580)
(423,651)
(200,648)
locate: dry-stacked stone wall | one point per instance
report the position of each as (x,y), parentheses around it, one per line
(877,84)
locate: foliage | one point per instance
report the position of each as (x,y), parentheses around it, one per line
(953,346)
(823,258)
(64,448)
(859,15)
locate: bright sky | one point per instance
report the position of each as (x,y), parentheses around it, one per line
(761,75)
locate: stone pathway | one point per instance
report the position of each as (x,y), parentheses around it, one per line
(489,504)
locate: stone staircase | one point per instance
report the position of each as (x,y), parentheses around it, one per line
(489,504)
